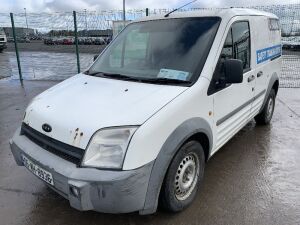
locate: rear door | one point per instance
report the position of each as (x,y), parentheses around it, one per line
(232,103)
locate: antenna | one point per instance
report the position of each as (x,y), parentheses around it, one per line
(180,8)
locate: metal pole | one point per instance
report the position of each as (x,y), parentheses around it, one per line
(147,11)
(26,22)
(76,41)
(124,16)
(26,19)
(292,23)
(85,22)
(16,47)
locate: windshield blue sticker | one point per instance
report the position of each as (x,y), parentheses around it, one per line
(268,53)
(173,74)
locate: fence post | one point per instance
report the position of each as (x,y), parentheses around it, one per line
(147,11)
(76,41)
(16,47)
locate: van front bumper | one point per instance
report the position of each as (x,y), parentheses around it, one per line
(100,190)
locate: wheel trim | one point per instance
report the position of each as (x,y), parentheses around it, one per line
(186,176)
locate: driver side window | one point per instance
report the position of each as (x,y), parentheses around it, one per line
(236,46)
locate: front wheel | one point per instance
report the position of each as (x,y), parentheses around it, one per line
(183,177)
(265,116)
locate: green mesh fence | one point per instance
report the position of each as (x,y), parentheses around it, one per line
(47,47)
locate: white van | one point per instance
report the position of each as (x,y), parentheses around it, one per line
(3,40)
(138,127)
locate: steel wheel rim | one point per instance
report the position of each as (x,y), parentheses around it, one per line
(270,108)
(186,176)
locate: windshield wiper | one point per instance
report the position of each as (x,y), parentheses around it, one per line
(162,80)
(159,80)
(114,76)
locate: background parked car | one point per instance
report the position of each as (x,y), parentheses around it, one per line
(58,41)
(23,40)
(48,41)
(99,41)
(88,41)
(67,41)
(291,43)
(107,40)
(81,40)
(10,39)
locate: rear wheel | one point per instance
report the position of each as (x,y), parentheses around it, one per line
(183,177)
(265,116)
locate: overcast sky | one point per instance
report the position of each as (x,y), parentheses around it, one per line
(96,5)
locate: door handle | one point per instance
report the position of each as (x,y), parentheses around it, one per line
(260,73)
(251,78)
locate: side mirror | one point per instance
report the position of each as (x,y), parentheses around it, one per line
(95,57)
(233,71)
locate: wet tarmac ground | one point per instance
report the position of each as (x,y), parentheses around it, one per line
(43,65)
(253,179)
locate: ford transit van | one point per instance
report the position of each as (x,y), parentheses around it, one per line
(137,128)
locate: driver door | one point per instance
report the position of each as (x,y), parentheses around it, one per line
(232,102)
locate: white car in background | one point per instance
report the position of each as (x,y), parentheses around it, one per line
(3,40)
(291,43)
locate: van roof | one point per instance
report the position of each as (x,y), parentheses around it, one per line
(227,13)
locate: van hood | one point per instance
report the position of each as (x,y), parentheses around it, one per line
(79,106)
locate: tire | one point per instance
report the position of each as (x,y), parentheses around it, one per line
(189,162)
(265,116)
(1,50)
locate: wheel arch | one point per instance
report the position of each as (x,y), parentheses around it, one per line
(197,129)
(203,139)
(273,84)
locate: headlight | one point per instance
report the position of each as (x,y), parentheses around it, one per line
(107,148)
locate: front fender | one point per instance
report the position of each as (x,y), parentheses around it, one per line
(175,140)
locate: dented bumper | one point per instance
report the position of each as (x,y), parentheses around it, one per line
(100,190)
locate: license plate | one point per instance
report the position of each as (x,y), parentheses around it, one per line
(37,170)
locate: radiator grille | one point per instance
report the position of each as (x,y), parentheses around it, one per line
(65,151)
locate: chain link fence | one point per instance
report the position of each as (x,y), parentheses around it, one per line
(46,41)
(289,17)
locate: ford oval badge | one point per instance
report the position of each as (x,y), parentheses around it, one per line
(47,128)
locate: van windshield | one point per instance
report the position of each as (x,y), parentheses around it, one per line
(159,51)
